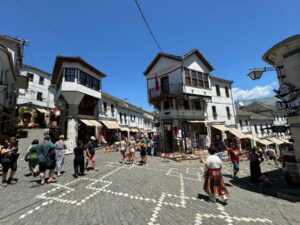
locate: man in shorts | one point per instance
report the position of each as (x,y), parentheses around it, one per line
(235,159)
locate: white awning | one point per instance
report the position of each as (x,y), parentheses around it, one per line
(134,130)
(265,142)
(286,141)
(42,111)
(91,123)
(276,141)
(221,127)
(237,133)
(252,137)
(124,129)
(110,124)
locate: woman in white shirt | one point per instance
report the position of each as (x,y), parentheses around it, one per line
(214,185)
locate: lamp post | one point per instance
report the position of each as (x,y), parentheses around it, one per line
(256,73)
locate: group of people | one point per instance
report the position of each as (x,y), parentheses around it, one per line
(45,156)
(128,149)
(214,185)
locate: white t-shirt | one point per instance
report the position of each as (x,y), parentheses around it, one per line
(122,145)
(214,162)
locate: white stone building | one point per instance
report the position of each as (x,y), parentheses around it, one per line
(37,100)
(78,92)
(194,107)
(11,61)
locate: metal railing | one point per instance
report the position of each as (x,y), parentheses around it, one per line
(170,89)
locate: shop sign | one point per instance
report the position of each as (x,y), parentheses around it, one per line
(290,97)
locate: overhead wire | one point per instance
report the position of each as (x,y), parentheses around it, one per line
(70,42)
(148,26)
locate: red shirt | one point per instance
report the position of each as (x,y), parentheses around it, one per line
(234,154)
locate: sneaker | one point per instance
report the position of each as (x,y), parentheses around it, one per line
(224,199)
(75,175)
(59,174)
(4,183)
(212,199)
(11,181)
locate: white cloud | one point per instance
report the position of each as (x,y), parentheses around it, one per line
(256,92)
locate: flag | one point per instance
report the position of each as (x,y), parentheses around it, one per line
(156,83)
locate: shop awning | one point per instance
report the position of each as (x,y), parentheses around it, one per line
(42,111)
(134,130)
(286,141)
(265,142)
(276,141)
(252,137)
(221,127)
(91,123)
(124,129)
(237,133)
(110,124)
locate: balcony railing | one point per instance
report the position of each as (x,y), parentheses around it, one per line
(171,89)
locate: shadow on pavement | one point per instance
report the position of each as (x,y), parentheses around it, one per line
(276,187)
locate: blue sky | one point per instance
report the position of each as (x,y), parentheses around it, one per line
(111,35)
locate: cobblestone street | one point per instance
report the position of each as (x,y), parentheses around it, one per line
(160,193)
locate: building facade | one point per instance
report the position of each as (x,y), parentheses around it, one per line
(36,102)
(190,101)
(11,62)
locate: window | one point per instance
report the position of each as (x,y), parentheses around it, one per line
(30,76)
(197,104)
(112,108)
(261,129)
(214,111)
(166,105)
(187,77)
(227,92)
(194,78)
(121,118)
(218,90)
(205,78)
(39,96)
(133,118)
(82,78)
(89,81)
(125,118)
(96,84)
(41,81)
(200,79)
(241,123)
(247,123)
(186,104)
(70,74)
(255,127)
(228,113)
(104,107)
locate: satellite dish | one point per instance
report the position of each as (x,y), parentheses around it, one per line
(241,103)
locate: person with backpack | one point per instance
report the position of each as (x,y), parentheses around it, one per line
(31,157)
(46,159)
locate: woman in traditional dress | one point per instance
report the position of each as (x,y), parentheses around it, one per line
(214,185)
(255,160)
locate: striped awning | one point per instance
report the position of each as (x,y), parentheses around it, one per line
(91,123)
(110,124)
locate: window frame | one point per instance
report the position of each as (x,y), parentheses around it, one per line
(218,91)
(41,80)
(70,77)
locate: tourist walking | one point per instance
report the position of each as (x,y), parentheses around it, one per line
(151,147)
(46,154)
(271,153)
(60,147)
(255,171)
(214,185)
(91,153)
(31,157)
(9,157)
(131,154)
(80,152)
(122,147)
(143,145)
(235,159)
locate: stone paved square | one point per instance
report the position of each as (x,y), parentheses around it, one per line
(159,193)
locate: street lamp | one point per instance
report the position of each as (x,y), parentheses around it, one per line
(256,73)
